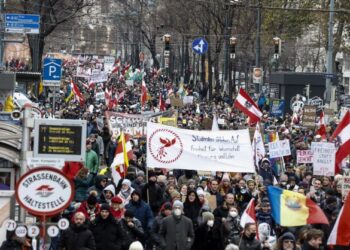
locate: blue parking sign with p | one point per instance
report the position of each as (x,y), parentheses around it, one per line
(52,70)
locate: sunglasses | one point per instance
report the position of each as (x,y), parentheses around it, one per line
(288,241)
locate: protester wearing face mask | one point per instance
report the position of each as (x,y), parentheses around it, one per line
(176,231)
(249,241)
(232,226)
(207,236)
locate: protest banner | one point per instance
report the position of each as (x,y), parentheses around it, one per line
(108,62)
(309,116)
(279,148)
(277,108)
(100,96)
(304,156)
(187,99)
(345,184)
(134,125)
(226,151)
(323,159)
(129,82)
(99,77)
(169,121)
(83,72)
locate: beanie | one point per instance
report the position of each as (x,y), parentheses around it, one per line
(117,199)
(136,245)
(105,206)
(140,173)
(207,216)
(178,204)
(200,192)
(126,182)
(161,178)
(91,200)
(129,214)
(288,236)
(151,173)
(166,206)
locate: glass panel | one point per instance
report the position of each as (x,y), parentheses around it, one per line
(5,180)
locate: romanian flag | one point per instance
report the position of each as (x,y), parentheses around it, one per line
(290,209)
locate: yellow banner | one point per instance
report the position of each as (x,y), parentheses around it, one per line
(169,121)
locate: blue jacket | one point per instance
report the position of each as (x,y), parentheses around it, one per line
(142,212)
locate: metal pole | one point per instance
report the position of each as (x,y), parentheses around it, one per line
(2,8)
(257,56)
(54,100)
(27,112)
(330,53)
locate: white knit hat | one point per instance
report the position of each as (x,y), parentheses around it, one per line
(136,246)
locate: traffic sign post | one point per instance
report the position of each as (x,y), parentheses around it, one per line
(52,75)
(52,71)
(22,23)
(200,46)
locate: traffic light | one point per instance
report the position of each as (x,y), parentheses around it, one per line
(233,42)
(167,39)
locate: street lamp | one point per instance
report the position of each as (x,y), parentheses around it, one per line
(233,42)
(277,47)
(167,40)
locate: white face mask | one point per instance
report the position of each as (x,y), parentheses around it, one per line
(233,214)
(210,223)
(177,212)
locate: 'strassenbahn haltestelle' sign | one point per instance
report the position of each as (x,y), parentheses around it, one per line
(60,139)
(44,191)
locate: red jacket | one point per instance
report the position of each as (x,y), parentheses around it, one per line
(84,209)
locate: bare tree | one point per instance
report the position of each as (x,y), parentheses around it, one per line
(52,14)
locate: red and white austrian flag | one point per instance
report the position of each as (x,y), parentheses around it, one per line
(246,104)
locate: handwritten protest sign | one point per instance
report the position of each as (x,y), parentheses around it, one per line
(323,158)
(346,184)
(279,148)
(309,116)
(304,156)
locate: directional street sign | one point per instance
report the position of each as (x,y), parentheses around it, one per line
(200,46)
(329,75)
(22,23)
(52,71)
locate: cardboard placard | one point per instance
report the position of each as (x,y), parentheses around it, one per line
(309,116)
(176,102)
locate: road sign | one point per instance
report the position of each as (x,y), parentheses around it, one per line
(44,191)
(329,75)
(49,162)
(200,46)
(22,23)
(60,138)
(52,70)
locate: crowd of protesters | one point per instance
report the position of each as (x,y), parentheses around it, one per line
(183,209)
